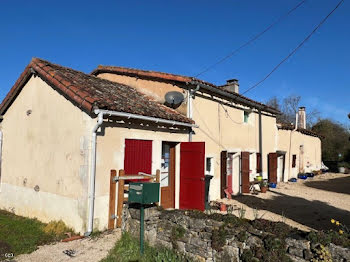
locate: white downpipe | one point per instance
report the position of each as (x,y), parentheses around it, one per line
(190,110)
(100,114)
(189,101)
(93,174)
(290,145)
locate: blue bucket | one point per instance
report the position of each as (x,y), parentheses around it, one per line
(303,176)
(273,185)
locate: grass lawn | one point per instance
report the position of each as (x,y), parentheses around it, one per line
(19,235)
(128,249)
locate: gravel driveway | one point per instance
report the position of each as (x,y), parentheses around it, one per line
(87,249)
(306,204)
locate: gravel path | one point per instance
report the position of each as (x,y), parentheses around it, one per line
(307,204)
(87,249)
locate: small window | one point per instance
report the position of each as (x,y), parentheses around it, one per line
(209,166)
(246,116)
(294,160)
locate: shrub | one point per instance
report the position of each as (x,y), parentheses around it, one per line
(57,228)
(326,237)
(321,253)
(279,229)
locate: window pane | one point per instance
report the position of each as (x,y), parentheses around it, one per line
(164,171)
(208,164)
(246,116)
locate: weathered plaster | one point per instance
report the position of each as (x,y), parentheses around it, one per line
(46,148)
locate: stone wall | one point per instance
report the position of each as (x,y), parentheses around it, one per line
(212,240)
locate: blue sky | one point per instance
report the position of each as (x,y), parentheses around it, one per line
(184,37)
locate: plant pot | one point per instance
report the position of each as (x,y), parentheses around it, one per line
(341,169)
(263,189)
(223,207)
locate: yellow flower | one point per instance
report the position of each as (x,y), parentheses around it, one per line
(333,221)
(337,223)
(341,232)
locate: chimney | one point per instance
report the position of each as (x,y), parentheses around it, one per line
(302,117)
(232,86)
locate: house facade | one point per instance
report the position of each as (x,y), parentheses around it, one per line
(64,130)
(232,126)
(47,149)
(299,147)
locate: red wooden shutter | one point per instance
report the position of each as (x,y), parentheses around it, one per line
(258,162)
(138,156)
(245,172)
(192,156)
(223,173)
(272,167)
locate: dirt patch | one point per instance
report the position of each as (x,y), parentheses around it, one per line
(309,204)
(87,249)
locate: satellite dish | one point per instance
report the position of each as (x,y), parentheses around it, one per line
(174,99)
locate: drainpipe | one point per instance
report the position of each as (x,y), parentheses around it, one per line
(93,174)
(189,102)
(290,144)
(260,144)
(100,114)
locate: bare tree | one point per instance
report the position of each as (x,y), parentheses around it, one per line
(289,108)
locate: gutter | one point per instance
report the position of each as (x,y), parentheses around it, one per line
(100,114)
(235,98)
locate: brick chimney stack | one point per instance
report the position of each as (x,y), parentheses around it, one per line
(302,117)
(232,86)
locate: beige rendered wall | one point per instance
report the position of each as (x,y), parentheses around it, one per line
(154,89)
(47,149)
(110,155)
(216,127)
(227,131)
(312,151)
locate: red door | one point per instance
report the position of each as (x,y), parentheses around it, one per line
(245,172)
(137,156)
(192,156)
(223,164)
(272,167)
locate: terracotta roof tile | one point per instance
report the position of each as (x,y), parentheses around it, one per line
(304,131)
(167,77)
(87,92)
